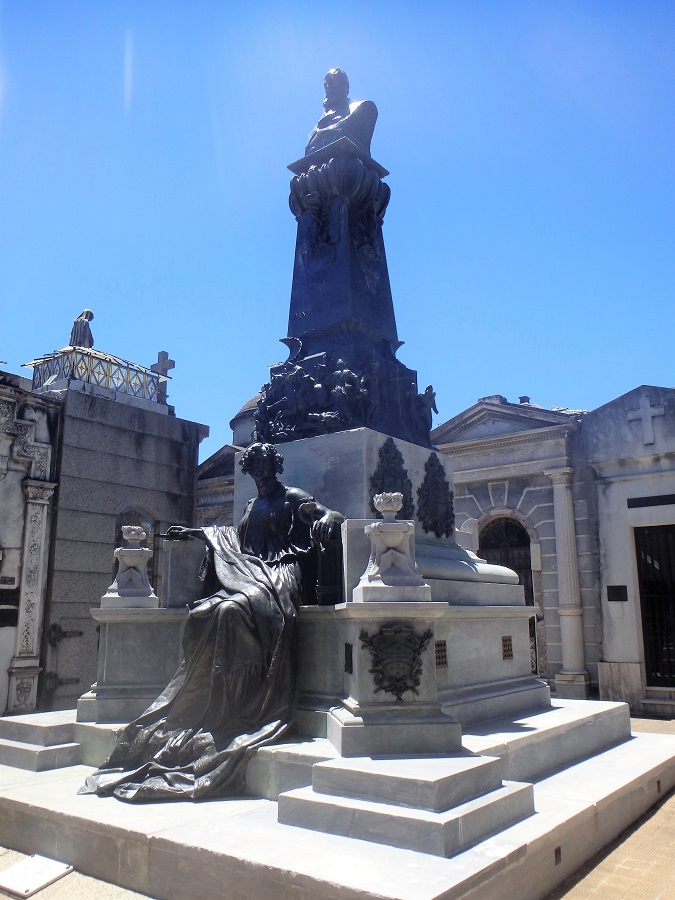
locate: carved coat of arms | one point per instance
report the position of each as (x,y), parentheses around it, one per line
(397,658)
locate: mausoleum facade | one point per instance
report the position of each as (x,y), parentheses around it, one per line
(582,506)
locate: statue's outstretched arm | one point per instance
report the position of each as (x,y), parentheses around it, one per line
(181,533)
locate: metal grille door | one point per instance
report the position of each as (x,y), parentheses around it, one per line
(506,543)
(655,548)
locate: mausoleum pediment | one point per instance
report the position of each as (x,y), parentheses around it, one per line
(220,464)
(487,419)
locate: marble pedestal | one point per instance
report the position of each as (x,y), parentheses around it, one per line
(388,649)
(139,652)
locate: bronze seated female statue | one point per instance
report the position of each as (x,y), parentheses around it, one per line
(235,689)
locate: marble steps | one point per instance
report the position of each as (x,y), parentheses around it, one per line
(173,851)
(53,740)
(530,746)
(659,702)
(534,746)
(32,730)
(435,806)
(430,783)
(27,742)
(238,848)
(37,757)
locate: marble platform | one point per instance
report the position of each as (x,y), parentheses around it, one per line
(167,851)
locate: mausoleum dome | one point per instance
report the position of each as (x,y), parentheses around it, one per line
(243,423)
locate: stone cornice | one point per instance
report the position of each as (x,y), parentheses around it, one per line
(502,441)
(631,468)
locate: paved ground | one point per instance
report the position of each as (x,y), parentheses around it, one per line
(638,865)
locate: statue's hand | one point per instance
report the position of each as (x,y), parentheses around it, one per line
(327,527)
(181,533)
(176,533)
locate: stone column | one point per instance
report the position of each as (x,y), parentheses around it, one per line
(572,680)
(25,666)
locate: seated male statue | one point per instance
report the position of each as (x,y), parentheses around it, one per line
(343,117)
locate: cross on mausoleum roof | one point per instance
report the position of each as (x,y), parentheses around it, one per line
(161,367)
(646,413)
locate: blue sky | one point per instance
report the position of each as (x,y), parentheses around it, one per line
(531,231)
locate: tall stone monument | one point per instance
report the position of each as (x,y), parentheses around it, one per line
(342,371)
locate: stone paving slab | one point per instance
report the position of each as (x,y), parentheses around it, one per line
(74,886)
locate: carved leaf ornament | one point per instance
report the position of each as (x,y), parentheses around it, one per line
(435,508)
(390,476)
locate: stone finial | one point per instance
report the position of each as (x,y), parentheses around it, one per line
(133,535)
(131,587)
(388,505)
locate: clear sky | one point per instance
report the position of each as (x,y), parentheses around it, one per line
(530,234)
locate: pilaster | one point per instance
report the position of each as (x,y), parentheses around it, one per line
(25,665)
(572,681)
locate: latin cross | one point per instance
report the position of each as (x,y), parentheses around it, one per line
(161,368)
(646,413)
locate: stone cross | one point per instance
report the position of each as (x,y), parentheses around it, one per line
(161,367)
(646,413)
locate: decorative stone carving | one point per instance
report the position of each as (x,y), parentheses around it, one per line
(397,658)
(25,448)
(435,508)
(161,368)
(131,587)
(390,476)
(391,573)
(25,668)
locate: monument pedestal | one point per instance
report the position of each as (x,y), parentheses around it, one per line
(139,645)
(139,652)
(390,703)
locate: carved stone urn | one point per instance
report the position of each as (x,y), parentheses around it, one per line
(391,573)
(131,587)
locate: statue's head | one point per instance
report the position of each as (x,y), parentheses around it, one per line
(86,314)
(336,86)
(265,452)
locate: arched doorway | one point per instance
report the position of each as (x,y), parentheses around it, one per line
(505,542)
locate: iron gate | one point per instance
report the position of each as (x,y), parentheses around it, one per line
(505,542)
(655,548)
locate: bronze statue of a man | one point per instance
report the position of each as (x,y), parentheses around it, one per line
(343,117)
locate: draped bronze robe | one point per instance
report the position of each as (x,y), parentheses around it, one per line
(235,689)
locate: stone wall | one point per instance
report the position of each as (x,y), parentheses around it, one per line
(113,457)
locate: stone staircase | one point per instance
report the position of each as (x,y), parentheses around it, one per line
(430,805)
(659,702)
(40,742)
